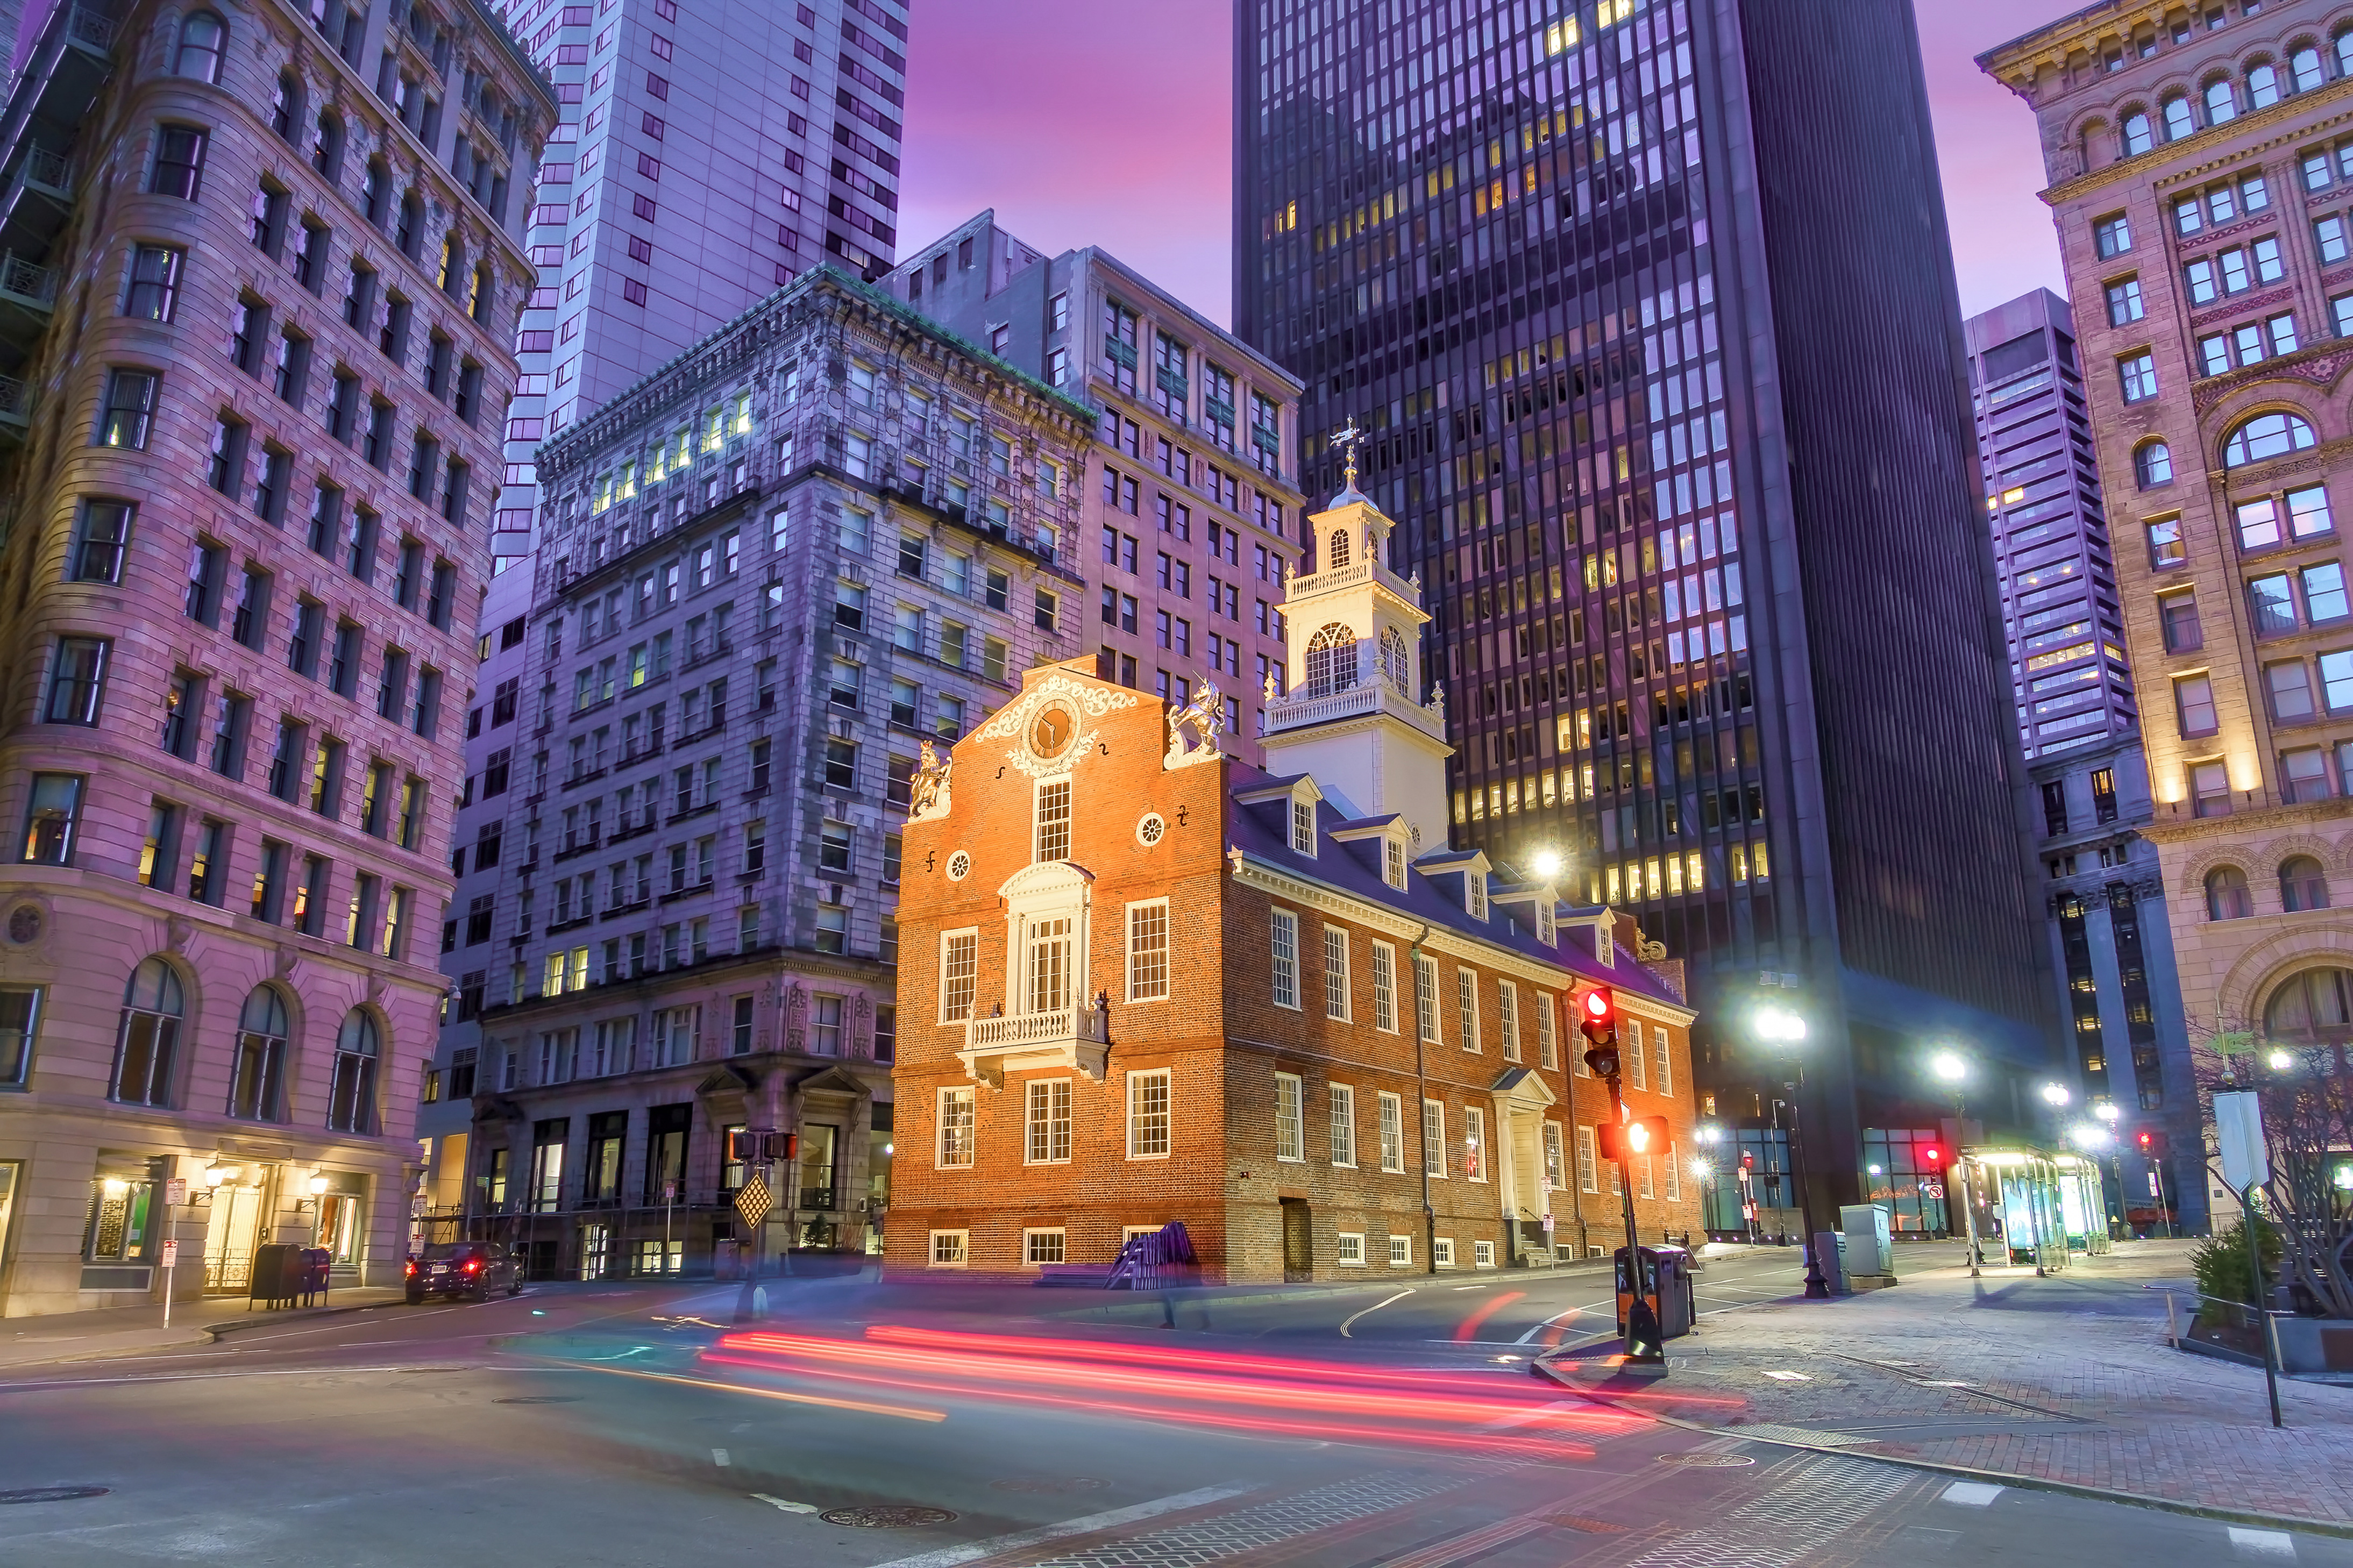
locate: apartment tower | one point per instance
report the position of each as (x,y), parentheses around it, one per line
(705,158)
(1193,518)
(2112,950)
(260,323)
(1657,349)
(2199,176)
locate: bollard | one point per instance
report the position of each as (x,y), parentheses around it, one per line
(2172,1323)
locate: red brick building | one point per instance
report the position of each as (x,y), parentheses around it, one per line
(1142,982)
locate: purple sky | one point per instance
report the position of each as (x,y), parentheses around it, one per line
(1086,123)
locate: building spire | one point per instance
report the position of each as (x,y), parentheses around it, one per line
(1349,438)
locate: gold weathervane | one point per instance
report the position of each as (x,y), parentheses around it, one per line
(1348,436)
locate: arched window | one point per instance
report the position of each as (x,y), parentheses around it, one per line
(257,1070)
(2177,124)
(452,277)
(327,144)
(351,1100)
(375,192)
(478,299)
(285,108)
(2265,435)
(1396,662)
(2221,104)
(1331,660)
(2302,884)
(2344,46)
(2138,136)
(2315,1005)
(2303,66)
(2263,87)
(410,232)
(149,1040)
(204,41)
(1335,552)
(2153,464)
(2226,894)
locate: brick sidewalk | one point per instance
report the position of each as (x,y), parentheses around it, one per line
(2066,1379)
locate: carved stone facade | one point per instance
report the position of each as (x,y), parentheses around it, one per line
(2196,182)
(754,616)
(252,457)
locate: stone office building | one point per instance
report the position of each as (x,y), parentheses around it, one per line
(2199,180)
(1146,981)
(754,603)
(263,268)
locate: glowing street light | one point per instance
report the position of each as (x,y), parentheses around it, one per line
(1547,864)
(2086,1135)
(1949,1067)
(1953,1069)
(2106,1111)
(2279,1061)
(2055,1094)
(1774,1024)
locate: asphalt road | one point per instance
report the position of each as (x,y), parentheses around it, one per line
(595,1426)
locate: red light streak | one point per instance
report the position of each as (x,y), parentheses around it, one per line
(1494,1304)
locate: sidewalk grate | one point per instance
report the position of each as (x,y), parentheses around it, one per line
(1782,1525)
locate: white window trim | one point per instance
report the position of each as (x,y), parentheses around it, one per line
(1483,1255)
(1029,1231)
(1385,1101)
(1340,1247)
(1547,1032)
(1441,1252)
(1507,1018)
(1333,1093)
(1168,951)
(963,1249)
(1397,1261)
(1589,1161)
(1279,920)
(1474,1142)
(1432,1029)
(1343,974)
(1436,1168)
(1135,1077)
(1662,1062)
(940,1129)
(1466,1007)
(1302,843)
(941,998)
(1028,1087)
(1299,1117)
(1388,949)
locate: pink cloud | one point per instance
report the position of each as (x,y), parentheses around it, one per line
(1084,123)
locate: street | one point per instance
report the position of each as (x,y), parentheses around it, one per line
(864,1425)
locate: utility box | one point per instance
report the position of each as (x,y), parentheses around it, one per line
(1665,1278)
(1869,1248)
(1829,1256)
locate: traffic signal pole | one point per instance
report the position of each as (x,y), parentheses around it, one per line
(1598,1020)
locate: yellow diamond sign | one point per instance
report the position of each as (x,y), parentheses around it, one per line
(752,1202)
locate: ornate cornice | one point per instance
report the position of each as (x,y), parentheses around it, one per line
(2289,119)
(2322,366)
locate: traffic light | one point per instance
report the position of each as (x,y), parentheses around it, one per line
(747,1146)
(1748,1162)
(1624,1140)
(1933,1157)
(743,1146)
(780,1145)
(1598,1020)
(2152,1143)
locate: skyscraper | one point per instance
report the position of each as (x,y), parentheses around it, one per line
(706,157)
(258,328)
(2103,893)
(2198,177)
(1658,344)
(1193,514)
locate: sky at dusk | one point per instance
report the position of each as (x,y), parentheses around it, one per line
(1084,123)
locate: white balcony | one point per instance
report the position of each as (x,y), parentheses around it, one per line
(1301,706)
(1076,1040)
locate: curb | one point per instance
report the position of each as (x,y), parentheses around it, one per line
(216,1332)
(2342,1530)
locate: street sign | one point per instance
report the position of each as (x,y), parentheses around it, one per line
(2153,1191)
(1932,1189)
(1547,1222)
(752,1202)
(2239,1129)
(170,1251)
(175,1193)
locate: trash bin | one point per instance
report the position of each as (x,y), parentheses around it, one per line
(278,1275)
(1666,1280)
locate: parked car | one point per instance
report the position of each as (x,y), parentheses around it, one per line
(463,1268)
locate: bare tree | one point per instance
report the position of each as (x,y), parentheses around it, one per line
(2306,1094)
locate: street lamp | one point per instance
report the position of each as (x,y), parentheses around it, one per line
(1788,1031)
(2108,1113)
(2055,1094)
(1953,1070)
(2279,1061)
(1547,864)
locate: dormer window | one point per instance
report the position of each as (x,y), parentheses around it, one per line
(1393,862)
(1475,885)
(1602,945)
(1547,928)
(1302,826)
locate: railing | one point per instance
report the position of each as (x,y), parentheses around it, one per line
(85,26)
(27,281)
(50,170)
(15,400)
(1035,1028)
(1373,696)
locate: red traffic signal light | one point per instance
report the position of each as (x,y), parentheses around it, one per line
(1748,1162)
(1598,1015)
(2146,1140)
(1933,1157)
(1623,1141)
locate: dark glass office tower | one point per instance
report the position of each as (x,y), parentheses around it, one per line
(1649,313)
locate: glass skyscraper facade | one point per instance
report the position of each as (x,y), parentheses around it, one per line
(1672,406)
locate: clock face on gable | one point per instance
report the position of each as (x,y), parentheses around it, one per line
(1049,733)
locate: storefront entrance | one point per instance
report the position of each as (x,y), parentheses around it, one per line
(230,1236)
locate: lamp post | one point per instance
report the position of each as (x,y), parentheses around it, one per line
(1788,1031)
(1707,1134)
(1953,1071)
(2106,1111)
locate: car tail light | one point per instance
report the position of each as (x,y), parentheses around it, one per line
(472,1264)
(409,1269)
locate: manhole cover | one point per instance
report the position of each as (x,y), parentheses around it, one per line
(1707,1461)
(52,1494)
(895,1517)
(1050,1485)
(540,1399)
